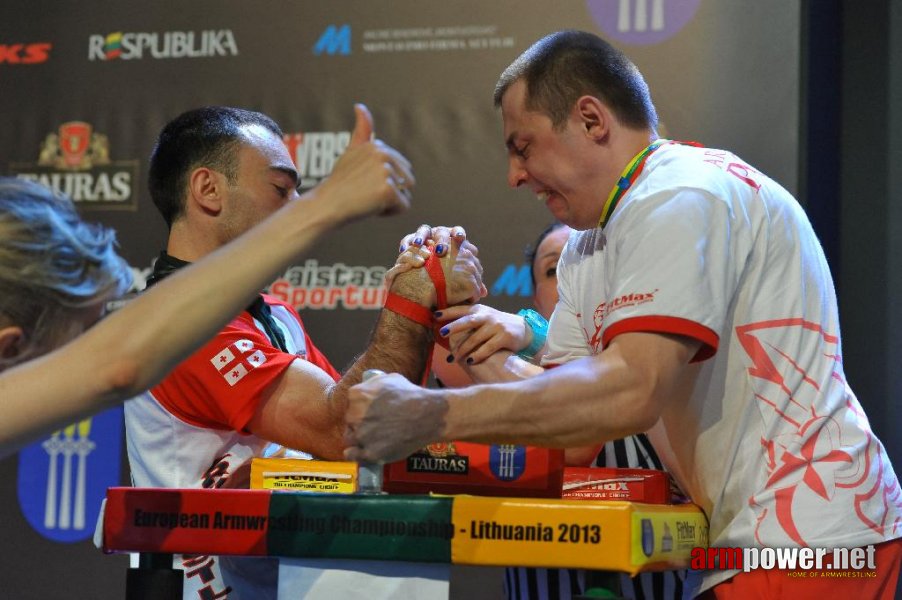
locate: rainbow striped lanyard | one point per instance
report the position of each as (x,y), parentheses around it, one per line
(627,178)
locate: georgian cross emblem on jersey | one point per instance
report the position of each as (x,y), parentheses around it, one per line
(236,360)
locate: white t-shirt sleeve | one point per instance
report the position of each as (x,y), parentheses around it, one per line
(566,340)
(675,268)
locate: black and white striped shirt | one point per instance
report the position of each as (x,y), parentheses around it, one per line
(522,583)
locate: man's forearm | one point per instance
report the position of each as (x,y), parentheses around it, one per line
(576,404)
(398,345)
(502,366)
(506,366)
(130,351)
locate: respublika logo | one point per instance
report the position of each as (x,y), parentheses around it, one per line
(168,44)
(314,153)
(75,161)
(24,54)
(334,40)
(642,22)
(63,478)
(515,280)
(507,462)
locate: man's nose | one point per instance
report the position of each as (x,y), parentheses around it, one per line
(516,174)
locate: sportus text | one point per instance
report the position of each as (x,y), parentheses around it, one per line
(328,286)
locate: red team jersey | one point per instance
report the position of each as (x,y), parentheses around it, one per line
(190,431)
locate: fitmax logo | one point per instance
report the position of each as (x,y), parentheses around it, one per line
(334,40)
(514,281)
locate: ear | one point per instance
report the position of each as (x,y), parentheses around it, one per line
(11,339)
(593,116)
(205,189)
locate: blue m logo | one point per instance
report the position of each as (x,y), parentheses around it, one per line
(334,40)
(514,281)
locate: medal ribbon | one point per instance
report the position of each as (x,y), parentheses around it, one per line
(629,176)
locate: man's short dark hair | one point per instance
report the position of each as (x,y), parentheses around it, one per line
(563,66)
(203,137)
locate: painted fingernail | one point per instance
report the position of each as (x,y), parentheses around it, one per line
(438,313)
(443,331)
(401,249)
(418,241)
(440,249)
(450,358)
(470,361)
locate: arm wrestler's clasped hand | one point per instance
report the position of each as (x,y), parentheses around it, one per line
(460,265)
(459,260)
(390,418)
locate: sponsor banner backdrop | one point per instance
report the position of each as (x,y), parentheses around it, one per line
(86,87)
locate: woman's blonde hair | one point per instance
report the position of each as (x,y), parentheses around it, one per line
(53,266)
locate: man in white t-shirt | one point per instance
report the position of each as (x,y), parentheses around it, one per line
(703,297)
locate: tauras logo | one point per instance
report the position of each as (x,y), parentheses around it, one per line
(441,457)
(75,161)
(168,44)
(424,463)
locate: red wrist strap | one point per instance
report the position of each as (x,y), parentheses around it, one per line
(437,275)
(419,313)
(410,309)
(416,313)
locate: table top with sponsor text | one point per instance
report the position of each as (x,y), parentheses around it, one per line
(459,529)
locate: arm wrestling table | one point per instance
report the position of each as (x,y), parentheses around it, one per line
(468,530)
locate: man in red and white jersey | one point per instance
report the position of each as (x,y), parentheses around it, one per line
(215,172)
(699,291)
